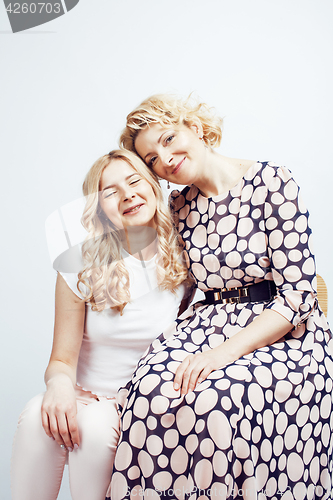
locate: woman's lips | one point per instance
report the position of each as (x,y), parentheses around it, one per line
(178,167)
(133,210)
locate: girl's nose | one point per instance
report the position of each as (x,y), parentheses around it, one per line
(128,194)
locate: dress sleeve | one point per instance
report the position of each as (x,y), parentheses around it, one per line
(289,247)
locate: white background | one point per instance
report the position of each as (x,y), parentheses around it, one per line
(66,88)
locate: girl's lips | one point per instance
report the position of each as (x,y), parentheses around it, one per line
(179,166)
(133,210)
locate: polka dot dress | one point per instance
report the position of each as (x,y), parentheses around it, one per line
(262,426)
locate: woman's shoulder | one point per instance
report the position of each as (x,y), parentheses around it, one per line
(269,172)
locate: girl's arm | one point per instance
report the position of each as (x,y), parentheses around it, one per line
(59,403)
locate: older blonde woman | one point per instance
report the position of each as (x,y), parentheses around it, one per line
(241,403)
(106,316)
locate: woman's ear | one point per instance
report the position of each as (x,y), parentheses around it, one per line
(196,126)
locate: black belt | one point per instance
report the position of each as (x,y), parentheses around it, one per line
(258,292)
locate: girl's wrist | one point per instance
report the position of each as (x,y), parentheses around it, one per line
(59,378)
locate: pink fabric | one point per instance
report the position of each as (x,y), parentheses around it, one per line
(38,461)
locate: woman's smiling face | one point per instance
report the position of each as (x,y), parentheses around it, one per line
(127,198)
(174,153)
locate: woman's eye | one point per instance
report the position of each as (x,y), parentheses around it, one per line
(152,161)
(135,181)
(169,138)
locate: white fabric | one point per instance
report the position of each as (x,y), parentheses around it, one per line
(38,461)
(112,344)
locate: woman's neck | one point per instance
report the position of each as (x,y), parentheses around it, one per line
(220,174)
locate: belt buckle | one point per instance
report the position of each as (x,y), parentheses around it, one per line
(242,292)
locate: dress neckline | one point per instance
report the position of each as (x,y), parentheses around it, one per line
(222,196)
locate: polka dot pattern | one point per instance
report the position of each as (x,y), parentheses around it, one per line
(262,423)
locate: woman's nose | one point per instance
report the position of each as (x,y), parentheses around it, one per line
(166,158)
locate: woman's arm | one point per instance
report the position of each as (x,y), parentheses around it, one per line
(59,403)
(268,327)
(293,270)
(187,299)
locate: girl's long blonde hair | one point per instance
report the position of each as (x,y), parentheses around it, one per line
(169,110)
(104,272)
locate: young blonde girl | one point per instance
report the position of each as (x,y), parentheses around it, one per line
(129,287)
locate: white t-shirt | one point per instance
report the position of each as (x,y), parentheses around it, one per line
(112,344)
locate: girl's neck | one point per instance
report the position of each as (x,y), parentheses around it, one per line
(140,242)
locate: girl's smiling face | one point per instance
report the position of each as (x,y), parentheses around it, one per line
(176,154)
(126,198)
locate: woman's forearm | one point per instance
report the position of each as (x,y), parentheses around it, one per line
(266,329)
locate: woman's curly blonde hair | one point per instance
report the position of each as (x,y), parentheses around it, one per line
(104,273)
(169,110)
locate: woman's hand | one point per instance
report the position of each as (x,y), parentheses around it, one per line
(59,412)
(195,369)
(268,327)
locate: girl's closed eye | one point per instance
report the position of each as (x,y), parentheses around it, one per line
(109,194)
(135,181)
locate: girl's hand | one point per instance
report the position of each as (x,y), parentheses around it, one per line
(59,412)
(195,369)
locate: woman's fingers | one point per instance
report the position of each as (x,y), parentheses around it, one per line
(180,372)
(204,374)
(191,372)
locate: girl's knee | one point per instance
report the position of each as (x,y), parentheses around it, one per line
(31,414)
(99,425)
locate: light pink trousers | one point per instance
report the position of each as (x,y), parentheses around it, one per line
(38,461)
